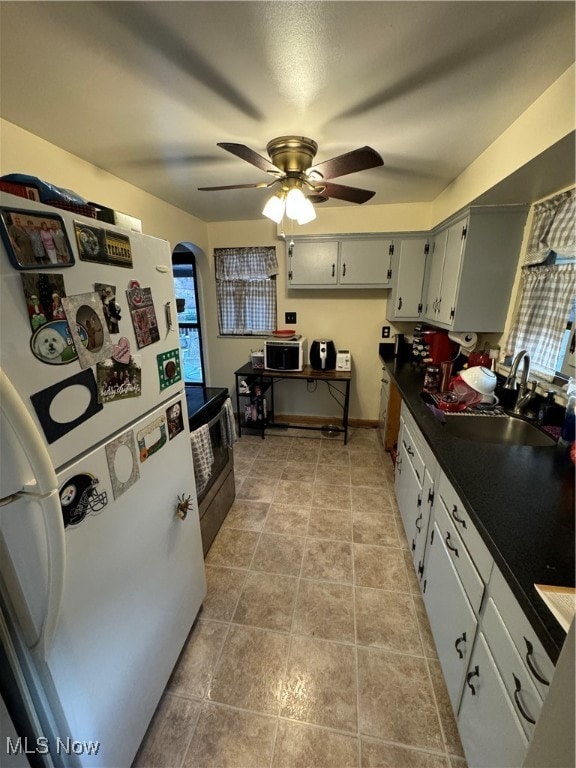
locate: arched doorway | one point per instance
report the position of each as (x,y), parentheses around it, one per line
(185,273)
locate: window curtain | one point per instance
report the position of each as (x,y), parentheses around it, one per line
(547,296)
(553,228)
(246,289)
(547,290)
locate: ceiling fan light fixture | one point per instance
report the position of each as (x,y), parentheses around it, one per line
(307,212)
(274,209)
(295,201)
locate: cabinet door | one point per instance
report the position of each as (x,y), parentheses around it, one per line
(365,262)
(384,397)
(451,618)
(490,731)
(312,263)
(418,544)
(408,268)
(435,275)
(408,489)
(451,272)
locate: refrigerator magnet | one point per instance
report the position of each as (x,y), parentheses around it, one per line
(143,316)
(169,371)
(110,307)
(43,295)
(79,497)
(118,381)
(151,438)
(102,246)
(52,343)
(35,240)
(53,404)
(85,310)
(175,420)
(122,463)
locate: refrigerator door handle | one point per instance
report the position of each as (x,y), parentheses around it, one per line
(28,436)
(24,429)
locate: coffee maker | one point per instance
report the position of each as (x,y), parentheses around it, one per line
(440,346)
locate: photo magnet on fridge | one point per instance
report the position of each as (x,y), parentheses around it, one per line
(112,311)
(175,420)
(102,246)
(85,310)
(120,376)
(35,240)
(143,316)
(51,405)
(169,371)
(43,294)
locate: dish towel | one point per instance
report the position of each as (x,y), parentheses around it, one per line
(228,424)
(202,456)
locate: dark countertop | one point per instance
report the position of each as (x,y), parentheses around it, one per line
(521,499)
(203,403)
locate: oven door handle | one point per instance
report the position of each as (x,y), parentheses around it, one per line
(216,418)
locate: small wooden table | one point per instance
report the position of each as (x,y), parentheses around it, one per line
(262,380)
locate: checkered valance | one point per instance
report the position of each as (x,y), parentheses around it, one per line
(246,290)
(553,228)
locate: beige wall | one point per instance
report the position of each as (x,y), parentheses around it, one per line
(352,318)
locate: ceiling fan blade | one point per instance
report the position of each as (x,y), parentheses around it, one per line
(358,160)
(342,192)
(261,185)
(245,153)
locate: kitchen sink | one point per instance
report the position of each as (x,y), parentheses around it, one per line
(503,428)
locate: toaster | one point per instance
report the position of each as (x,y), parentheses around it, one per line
(343,360)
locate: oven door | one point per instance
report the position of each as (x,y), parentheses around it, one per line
(220,451)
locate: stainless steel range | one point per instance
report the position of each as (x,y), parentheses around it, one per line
(205,406)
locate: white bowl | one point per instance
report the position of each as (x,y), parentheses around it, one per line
(481,379)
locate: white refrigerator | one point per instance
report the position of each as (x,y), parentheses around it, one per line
(101,565)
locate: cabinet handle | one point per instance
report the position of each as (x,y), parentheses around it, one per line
(461,639)
(333,269)
(455,516)
(409,450)
(399,465)
(452,549)
(531,667)
(400,302)
(419,520)
(413,547)
(475,673)
(517,691)
(430,496)
(344,269)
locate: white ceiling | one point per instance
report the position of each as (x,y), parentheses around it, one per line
(145,90)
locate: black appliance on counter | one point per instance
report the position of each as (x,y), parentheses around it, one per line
(205,406)
(323,355)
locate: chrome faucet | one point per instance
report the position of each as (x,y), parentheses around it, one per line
(525,394)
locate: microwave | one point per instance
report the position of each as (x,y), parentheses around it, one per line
(285,354)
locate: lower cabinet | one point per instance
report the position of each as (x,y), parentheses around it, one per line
(496,670)
(452,619)
(491,733)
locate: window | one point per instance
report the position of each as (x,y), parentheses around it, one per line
(186,288)
(246,290)
(545,317)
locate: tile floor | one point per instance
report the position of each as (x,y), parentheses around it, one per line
(312,647)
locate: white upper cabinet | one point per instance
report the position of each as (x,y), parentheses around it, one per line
(472,269)
(339,263)
(408,271)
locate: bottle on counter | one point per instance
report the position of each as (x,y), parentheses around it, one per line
(432,378)
(567,436)
(544,410)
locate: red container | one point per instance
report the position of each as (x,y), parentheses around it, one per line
(441,348)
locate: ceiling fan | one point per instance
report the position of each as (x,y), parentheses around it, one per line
(302,182)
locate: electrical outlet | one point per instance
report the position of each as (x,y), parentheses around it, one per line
(290,318)
(385,331)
